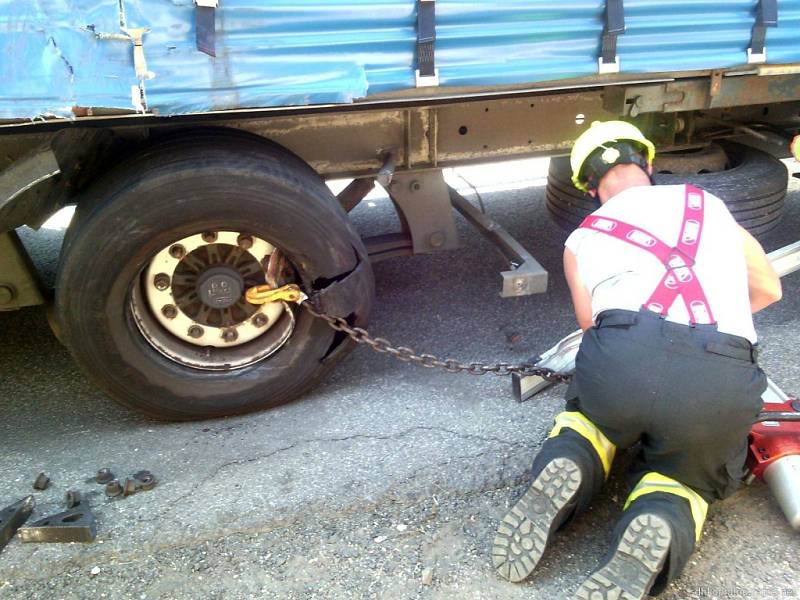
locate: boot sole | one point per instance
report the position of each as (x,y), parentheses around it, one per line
(524,532)
(636,562)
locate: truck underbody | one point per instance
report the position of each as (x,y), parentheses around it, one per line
(700,121)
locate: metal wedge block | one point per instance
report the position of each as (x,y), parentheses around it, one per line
(76,525)
(12,517)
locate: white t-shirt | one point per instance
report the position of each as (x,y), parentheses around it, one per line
(619,275)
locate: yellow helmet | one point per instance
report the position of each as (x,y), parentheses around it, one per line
(599,135)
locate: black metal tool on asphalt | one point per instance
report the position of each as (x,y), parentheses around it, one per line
(12,518)
(74,525)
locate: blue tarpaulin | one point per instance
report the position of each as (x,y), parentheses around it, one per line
(60,54)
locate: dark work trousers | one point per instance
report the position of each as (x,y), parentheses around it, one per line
(688,395)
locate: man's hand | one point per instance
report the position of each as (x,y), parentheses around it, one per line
(762,280)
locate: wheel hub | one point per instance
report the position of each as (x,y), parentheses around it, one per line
(220,287)
(196,310)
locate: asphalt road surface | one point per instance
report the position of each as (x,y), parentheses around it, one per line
(387,481)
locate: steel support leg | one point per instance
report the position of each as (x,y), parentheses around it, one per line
(526,276)
(423,204)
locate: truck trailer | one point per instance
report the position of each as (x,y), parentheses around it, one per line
(195,138)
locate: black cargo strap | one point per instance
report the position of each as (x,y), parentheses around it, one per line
(205,25)
(426,40)
(766,16)
(614,25)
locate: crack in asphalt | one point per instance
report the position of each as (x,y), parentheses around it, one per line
(395,436)
(115,556)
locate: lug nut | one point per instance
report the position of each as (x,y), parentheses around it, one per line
(195,331)
(143,475)
(169,311)
(161,281)
(245,242)
(73,498)
(145,480)
(104,476)
(129,488)
(260,320)
(113,488)
(230,335)
(209,237)
(177,251)
(42,482)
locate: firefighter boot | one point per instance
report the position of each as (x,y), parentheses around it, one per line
(651,543)
(566,473)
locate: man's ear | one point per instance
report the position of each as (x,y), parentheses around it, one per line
(650,168)
(592,193)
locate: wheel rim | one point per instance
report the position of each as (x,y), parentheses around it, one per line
(710,158)
(189,302)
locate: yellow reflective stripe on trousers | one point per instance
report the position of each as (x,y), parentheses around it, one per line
(656,482)
(580,424)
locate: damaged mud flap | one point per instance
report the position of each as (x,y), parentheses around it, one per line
(348,297)
(13,517)
(75,525)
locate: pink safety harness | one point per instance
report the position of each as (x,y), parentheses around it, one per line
(680,278)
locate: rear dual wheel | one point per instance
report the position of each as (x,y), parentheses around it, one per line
(751,183)
(150,290)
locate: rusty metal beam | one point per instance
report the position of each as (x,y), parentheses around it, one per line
(699,94)
(355,192)
(356,144)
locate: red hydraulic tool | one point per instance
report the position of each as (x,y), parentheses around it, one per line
(774,455)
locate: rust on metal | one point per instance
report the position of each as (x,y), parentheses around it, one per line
(75,525)
(12,518)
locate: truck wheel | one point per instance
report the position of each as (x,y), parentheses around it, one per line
(150,290)
(752,184)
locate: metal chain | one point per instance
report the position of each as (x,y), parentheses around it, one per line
(429,361)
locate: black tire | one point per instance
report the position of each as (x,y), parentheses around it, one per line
(180,186)
(753,188)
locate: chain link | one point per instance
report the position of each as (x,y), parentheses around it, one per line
(429,361)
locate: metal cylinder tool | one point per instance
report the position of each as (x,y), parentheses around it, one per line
(774,455)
